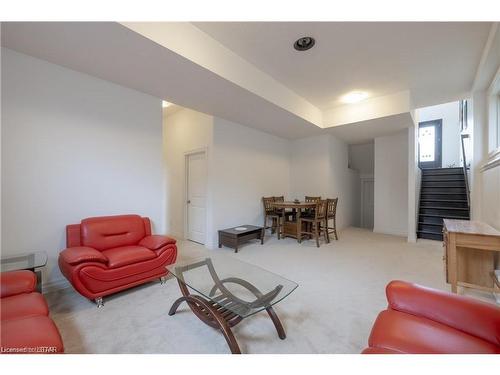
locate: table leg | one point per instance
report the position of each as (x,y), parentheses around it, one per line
(206,313)
(276,322)
(453,262)
(299,226)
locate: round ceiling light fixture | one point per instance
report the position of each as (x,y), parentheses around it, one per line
(354,97)
(304,43)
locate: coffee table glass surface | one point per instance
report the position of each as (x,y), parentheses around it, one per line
(231,284)
(28,261)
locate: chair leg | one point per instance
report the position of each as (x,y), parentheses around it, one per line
(335,228)
(325,232)
(279,227)
(316,234)
(299,224)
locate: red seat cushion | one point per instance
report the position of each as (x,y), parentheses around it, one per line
(23,305)
(37,334)
(412,334)
(125,255)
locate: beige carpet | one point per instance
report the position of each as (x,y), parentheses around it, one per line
(341,291)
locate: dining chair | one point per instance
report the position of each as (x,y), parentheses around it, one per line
(271,213)
(313,222)
(331,214)
(309,211)
(311,199)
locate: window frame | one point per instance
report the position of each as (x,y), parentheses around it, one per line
(493,95)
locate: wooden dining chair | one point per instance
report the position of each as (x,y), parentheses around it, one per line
(331,214)
(311,199)
(313,222)
(271,213)
(309,211)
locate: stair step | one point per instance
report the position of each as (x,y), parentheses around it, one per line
(436,224)
(445,194)
(446,208)
(441,171)
(430,236)
(445,177)
(443,184)
(443,216)
(463,213)
(443,189)
(443,200)
(439,231)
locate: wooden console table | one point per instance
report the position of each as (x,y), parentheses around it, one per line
(472,249)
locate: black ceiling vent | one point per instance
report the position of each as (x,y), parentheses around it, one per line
(304,43)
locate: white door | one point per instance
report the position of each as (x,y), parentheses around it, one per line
(367,202)
(196,197)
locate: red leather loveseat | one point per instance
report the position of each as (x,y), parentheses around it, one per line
(24,322)
(421,320)
(105,255)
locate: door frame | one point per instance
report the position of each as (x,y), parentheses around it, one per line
(187,154)
(364,179)
(438,124)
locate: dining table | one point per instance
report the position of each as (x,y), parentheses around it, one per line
(291,222)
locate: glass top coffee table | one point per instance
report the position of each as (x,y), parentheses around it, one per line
(229,290)
(28,261)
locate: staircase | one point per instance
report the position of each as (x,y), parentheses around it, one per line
(443,195)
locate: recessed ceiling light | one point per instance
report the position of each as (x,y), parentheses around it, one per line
(354,97)
(304,43)
(165,104)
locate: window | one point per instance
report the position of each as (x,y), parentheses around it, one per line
(493,123)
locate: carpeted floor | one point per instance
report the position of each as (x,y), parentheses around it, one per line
(341,291)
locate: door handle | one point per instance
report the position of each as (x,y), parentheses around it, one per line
(188,201)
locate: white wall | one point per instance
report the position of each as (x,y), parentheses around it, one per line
(391,184)
(73,146)
(183,131)
(361,158)
(244,165)
(247,165)
(451,149)
(319,166)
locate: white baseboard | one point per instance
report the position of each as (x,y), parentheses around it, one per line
(392,232)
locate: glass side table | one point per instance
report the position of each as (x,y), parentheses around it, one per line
(29,261)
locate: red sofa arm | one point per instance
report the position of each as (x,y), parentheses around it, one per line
(79,254)
(156,241)
(477,318)
(17,282)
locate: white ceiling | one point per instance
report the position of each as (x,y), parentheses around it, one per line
(435,61)
(365,131)
(112,52)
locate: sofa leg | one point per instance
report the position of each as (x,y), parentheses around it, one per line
(163,280)
(99,302)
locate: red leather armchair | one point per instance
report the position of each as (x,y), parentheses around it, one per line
(421,320)
(25,326)
(105,255)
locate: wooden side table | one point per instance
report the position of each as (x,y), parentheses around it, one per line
(472,249)
(234,237)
